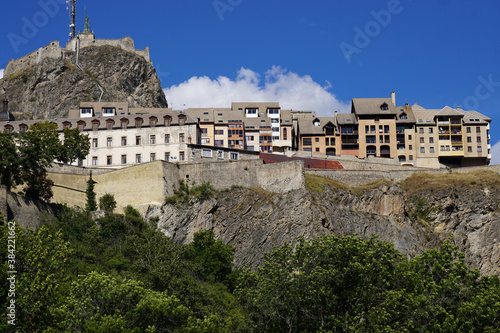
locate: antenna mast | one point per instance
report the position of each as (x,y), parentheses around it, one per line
(72,17)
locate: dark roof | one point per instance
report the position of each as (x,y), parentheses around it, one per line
(373,106)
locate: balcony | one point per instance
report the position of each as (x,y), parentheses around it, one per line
(350,141)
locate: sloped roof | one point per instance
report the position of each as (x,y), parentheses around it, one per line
(306,125)
(447,111)
(372,106)
(410,117)
(346,119)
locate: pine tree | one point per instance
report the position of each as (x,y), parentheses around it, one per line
(91,201)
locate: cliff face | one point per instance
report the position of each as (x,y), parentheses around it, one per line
(253,221)
(52,87)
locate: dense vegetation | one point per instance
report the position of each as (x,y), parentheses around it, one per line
(119,274)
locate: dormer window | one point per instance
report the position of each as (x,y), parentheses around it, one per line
(66,125)
(124,123)
(23,128)
(182,119)
(81,125)
(403,116)
(168,120)
(9,128)
(384,107)
(95,125)
(108,111)
(138,122)
(152,122)
(109,124)
(316,122)
(273,111)
(85,112)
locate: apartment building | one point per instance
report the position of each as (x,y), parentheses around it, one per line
(260,127)
(122,136)
(412,134)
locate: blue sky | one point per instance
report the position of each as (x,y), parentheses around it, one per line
(315,55)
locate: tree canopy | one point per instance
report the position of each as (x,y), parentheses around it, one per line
(27,155)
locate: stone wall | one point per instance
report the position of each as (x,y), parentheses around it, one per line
(150,183)
(53,51)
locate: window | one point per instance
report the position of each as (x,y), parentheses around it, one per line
(205,141)
(206,153)
(234,156)
(109,160)
(421,140)
(431,140)
(273,111)
(277,129)
(469,139)
(81,125)
(219,132)
(442,148)
(384,107)
(168,120)
(251,111)
(479,149)
(109,125)
(124,140)
(138,158)
(327,141)
(421,130)
(410,157)
(109,111)
(109,142)
(220,154)
(431,130)
(409,137)
(80,163)
(306,142)
(152,139)
(275,120)
(285,134)
(152,157)
(66,125)
(316,139)
(468,130)
(86,112)
(181,156)
(124,124)
(317,149)
(138,122)
(124,159)
(469,149)
(249,138)
(94,160)
(152,122)
(9,128)
(204,131)
(219,142)
(182,120)
(447,148)
(431,150)
(167,156)
(410,147)
(138,140)
(478,139)
(181,137)
(422,149)
(478,129)
(167,138)
(95,126)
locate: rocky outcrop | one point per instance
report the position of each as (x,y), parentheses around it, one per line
(52,87)
(254,221)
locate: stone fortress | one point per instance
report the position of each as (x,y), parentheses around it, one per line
(84,38)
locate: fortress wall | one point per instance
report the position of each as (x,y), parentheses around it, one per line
(52,50)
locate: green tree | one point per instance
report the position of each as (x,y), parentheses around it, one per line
(90,193)
(107,203)
(10,161)
(76,146)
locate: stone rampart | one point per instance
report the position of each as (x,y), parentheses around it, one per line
(53,51)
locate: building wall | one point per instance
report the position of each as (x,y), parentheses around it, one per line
(382,138)
(52,50)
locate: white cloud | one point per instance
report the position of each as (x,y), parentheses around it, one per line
(495,153)
(1,73)
(288,88)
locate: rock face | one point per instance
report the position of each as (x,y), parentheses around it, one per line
(52,87)
(253,221)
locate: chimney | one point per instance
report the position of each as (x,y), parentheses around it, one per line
(335,113)
(393,97)
(6,105)
(406,104)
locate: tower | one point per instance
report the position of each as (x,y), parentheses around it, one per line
(72,17)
